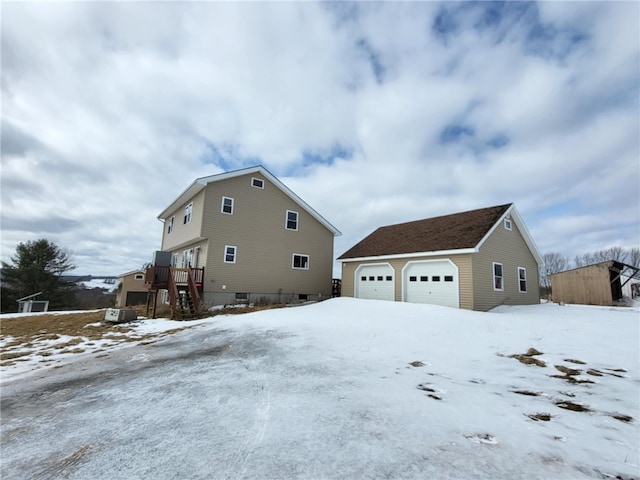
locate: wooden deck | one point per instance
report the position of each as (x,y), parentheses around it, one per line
(184,286)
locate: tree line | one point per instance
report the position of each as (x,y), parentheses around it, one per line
(557,262)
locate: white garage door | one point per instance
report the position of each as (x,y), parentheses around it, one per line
(375,282)
(434,282)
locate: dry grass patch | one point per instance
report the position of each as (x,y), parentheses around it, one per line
(574,407)
(527,393)
(573,360)
(544,417)
(622,417)
(529,358)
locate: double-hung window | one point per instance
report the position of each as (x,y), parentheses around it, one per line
(187,213)
(227,205)
(522,280)
(230,253)
(498,279)
(300,261)
(292,220)
(170,224)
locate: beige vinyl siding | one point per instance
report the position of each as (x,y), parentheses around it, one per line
(184,233)
(129,283)
(508,248)
(264,247)
(463,262)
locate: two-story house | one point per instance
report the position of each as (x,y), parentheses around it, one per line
(250,239)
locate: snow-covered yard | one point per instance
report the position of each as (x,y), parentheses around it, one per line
(340,389)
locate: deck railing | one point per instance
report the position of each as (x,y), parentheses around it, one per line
(158,276)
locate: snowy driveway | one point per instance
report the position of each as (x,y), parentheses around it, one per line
(299,393)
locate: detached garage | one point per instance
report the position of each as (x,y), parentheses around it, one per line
(475,260)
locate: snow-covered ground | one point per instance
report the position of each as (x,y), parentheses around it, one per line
(342,389)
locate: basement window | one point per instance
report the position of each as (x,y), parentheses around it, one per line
(257,182)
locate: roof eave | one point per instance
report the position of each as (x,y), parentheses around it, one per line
(460,251)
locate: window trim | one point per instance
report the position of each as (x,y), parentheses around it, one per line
(495,277)
(222,205)
(301,255)
(139,276)
(521,280)
(226,253)
(171,224)
(286,220)
(508,224)
(254,180)
(188,213)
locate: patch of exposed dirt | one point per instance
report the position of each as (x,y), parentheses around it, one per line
(540,417)
(574,407)
(527,392)
(417,363)
(568,371)
(622,417)
(528,358)
(573,360)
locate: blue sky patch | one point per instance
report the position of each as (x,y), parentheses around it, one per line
(373,58)
(455,133)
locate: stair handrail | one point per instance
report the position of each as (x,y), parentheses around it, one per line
(193,291)
(173,293)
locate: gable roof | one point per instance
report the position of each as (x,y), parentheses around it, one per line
(455,233)
(200,183)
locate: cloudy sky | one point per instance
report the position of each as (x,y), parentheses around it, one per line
(373,113)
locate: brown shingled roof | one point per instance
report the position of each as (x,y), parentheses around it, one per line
(449,232)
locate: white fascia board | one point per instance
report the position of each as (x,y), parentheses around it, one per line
(528,239)
(202,182)
(438,253)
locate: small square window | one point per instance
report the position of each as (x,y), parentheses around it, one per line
(227,205)
(435,278)
(413,279)
(507,223)
(230,254)
(371,279)
(257,182)
(300,261)
(139,276)
(448,278)
(424,278)
(292,220)
(380,278)
(389,278)
(364,278)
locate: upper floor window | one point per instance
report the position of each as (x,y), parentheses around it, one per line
(170,224)
(300,261)
(227,205)
(230,254)
(139,276)
(498,280)
(257,182)
(187,213)
(522,279)
(507,223)
(292,220)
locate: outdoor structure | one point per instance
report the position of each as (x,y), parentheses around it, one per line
(28,304)
(475,260)
(599,284)
(132,290)
(244,237)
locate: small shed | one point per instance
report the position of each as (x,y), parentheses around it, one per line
(28,304)
(598,284)
(133,289)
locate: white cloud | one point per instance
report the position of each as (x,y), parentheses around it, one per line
(111,109)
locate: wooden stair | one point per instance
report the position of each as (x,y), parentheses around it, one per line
(180,283)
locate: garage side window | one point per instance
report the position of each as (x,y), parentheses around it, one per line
(498,280)
(522,279)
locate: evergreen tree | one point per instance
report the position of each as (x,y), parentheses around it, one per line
(37,266)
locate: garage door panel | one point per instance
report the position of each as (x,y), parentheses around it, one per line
(375,282)
(432,282)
